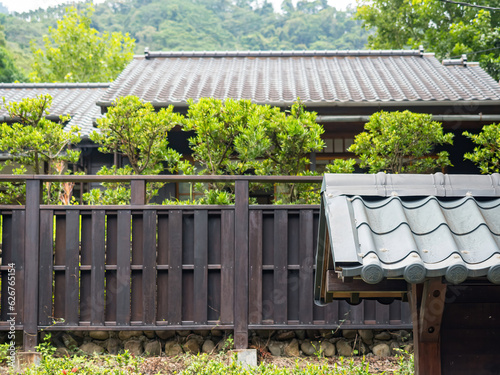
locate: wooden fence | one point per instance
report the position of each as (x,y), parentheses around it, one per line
(154,267)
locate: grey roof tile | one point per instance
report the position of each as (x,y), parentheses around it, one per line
(75,99)
(317,77)
(404,230)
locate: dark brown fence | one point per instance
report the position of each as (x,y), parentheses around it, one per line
(154,267)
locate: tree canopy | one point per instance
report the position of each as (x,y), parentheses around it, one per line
(401,142)
(75,52)
(447,29)
(486,154)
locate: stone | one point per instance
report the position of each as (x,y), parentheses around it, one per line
(165,335)
(208,347)
(292,349)
(172,348)
(149,334)
(79,334)
(383,336)
(395,347)
(61,352)
(326,333)
(247,358)
(204,332)
(183,333)
(381,350)
(362,348)
(408,348)
(125,335)
(134,346)
(344,349)
(153,348)
(300,334)
(198,338)
(91,348)
(191,346)
(312,334)
(113,346)
(264,333)
(258,342)
(285,335)
(69,341)
(99,335)
(327,348)
(366,335)
(217,333)
(309,348)
(276,348)
(224,344)
(349,333)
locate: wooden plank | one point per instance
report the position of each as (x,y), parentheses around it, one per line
(138,192)
(86,261)
(358,314)
(46,267)
(227,267)
(332,313)
(32,248)
(149,267)
(72,273)
(136,308)
(111,259)
(59,260)
(431,310)
(357,285)
(7,258)
(200,266)
(255,257)
(162,274)
(97,275)
(241,265)
(174,295)
(382,315)
(306,271)
(280,266)
(18,257)
(124,219)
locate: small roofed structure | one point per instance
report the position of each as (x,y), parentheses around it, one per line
(431,239)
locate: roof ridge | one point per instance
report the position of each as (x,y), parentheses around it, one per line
(149,55)
(57,85)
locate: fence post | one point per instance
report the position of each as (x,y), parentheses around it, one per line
(241,265)
(138,192)
(31,251)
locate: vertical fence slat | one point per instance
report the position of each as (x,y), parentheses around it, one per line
(227,267)
(18,256)
(97,275)
(6,259)
(405,313)
(241,265)
(59,260)
(200,266)
(85,275)
(306,258)
(162,275)
(280,266)
(332,313)
(31,247)
(358,314)
(111,257)
(149,267)
(255,256)
(136,308)
(46,268)
(123,268)
(72,272)
(174,295)
(381,313)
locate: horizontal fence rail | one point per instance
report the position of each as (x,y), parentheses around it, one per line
(155,267)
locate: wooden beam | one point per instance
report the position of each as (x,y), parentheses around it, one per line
(431,310)
(358,285)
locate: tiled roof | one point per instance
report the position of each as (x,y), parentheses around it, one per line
(75,99)
(317,77)
(414,226)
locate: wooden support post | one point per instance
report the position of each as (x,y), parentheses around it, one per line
(138,192)
(31,249)
(427,304)
(241,266)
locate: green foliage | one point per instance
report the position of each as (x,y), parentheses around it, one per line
(36,144)
(449,30)
(486,154)
(401,142)
(341,166)
(136,131)
(75,52)
(9,72)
